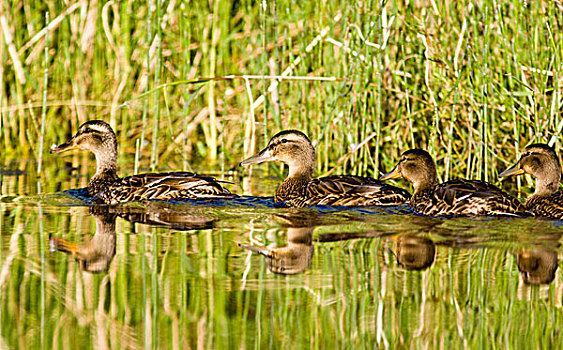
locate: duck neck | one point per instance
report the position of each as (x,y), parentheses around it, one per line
(425,184)
(548,185)
(302,166)
(300,172)
(293,186)
(106,160)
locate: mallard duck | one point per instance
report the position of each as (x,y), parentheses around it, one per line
(541,161)
(453,198)
(98,137)
(97,253)
(299,189)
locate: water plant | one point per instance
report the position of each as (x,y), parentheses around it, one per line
(471,82)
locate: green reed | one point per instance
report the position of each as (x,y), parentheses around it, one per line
(471,82)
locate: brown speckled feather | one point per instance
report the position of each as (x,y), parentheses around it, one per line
(340,190)
(163,186)
(551,206)
(101,182)
(466,198)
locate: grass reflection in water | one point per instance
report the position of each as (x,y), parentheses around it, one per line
(359,278)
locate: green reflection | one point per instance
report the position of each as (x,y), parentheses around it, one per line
(169,288)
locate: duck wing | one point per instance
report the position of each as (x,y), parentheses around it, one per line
(349,190)
(164,186)
(470,197)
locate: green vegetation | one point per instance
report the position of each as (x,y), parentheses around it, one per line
(471,82)
(188,85)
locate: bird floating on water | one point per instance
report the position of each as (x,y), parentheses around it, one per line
(541,161)
(455,197)
(99,138)
(300,189)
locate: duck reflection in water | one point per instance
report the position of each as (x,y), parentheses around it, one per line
(537,265)
(414,252)
(297,256)
(163,214)
(96,254)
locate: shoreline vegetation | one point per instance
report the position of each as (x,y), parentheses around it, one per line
(204,84)
(193,85)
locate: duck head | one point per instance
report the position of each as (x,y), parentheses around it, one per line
(97,137)
(540,161)
(418,167)
(291,147)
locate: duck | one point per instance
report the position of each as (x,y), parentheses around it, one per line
(458,197)
(541,161)
(99,138)
(300,189)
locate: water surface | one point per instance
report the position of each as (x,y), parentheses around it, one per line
(244,274)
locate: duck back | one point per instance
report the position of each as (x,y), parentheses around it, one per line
(550,206)
(341,190)
(467,198)
(164,186)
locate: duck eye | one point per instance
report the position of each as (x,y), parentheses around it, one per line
(283,141)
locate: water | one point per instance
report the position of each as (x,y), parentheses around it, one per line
(244,274)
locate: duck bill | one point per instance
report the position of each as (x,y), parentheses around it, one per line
(263,156)
(393,174)
(67,146)
(512,171)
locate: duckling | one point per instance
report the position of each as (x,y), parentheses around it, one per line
(541,161)
(453,198)
(98,137)
(299,189)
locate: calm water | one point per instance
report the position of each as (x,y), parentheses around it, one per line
(244,274)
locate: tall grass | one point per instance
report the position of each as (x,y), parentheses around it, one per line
(473,82)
